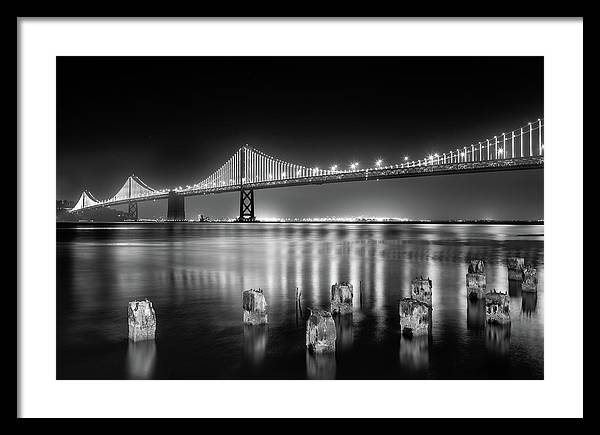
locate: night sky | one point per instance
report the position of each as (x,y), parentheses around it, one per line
(172,121)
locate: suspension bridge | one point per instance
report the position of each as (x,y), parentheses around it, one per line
(249,169)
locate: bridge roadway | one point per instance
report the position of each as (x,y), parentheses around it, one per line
(535,162)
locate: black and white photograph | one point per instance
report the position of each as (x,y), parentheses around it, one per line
(313,217)
(300,218)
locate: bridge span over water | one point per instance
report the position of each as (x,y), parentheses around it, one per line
(249,169)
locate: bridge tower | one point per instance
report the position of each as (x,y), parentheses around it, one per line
(133,210)
(133,205)
(246,195)
(175,207)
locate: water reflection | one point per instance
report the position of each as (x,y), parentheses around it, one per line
(528,303)
(141,359)
(255,344)
(344,332)
(475,314)
(194,275)
(414,353)
(497,339)
(299,315)
(514,288)
(320,365)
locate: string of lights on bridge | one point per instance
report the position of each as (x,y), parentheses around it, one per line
(250,166)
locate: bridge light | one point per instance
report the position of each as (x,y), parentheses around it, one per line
(378,162)
(462,154)
(334,167)
(500,151)
(405,158)
(283,174)
(436,155)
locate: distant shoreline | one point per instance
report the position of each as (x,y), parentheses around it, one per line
(433,222)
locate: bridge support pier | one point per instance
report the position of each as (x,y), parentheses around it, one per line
(497,307)
(133,210)
(529,279)
(342,294)
(476,280)
(175,207)
(515,268)
(415,317)
(420,289)
(254,307)
(246,205)
(141,320)
(320,332)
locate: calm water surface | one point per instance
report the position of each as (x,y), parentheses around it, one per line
(195,273)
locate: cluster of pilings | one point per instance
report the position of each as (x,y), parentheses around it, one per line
(522,277)
(522,280)
(415,311)
(497,304)
(522,274)
(321,331)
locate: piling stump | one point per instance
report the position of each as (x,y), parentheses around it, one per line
(342,294)
(529,279)
(254,306)
(497,308)
(476,280)
(515,266)
(415,317)
(141,320)
(320,332)
(420,289)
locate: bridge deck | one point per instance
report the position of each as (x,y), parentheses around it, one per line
(535,162)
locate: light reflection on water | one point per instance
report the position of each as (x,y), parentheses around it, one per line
(414,354)
(195,273)
(141,359)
